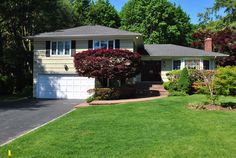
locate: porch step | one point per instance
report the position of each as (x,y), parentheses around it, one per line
(151,89)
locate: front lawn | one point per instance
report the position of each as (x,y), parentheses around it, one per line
(160,128)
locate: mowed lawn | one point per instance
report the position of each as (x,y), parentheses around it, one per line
(159,128)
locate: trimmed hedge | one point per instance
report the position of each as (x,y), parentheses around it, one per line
(114,93)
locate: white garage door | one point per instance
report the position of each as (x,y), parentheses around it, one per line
(64,86)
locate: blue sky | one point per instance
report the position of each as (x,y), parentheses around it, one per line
(191,7)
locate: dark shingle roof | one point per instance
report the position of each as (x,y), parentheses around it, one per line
(87,31)
(171,50)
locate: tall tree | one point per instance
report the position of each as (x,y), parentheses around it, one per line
(103,13)
(81,8)
(158,20)
(20,19)
(229,8)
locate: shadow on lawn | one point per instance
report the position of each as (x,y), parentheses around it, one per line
(229,105)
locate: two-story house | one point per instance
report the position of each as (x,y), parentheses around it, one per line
(54,75)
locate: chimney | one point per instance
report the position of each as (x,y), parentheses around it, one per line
(208,45)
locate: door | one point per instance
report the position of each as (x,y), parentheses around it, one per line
(64,86)
(151,71)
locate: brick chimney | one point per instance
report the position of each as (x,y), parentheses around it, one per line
(208,45)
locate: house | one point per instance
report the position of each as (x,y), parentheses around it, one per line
(54,75)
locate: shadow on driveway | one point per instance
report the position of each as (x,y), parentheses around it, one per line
(18,117)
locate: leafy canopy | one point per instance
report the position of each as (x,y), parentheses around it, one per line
(158,20)
(107,63)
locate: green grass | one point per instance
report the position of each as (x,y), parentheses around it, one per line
(159,128)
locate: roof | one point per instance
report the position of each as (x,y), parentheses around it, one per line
(86,31)
(171,50)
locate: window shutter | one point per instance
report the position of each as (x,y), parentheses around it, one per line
(90,44)
(73,47)
(48,48)
(117,44)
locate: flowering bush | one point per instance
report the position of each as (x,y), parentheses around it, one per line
(108,63)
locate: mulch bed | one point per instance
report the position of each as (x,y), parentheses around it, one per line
(210,107)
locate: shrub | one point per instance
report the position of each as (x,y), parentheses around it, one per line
(173,86)
(225,80)
(184,81)
(195,75)
(199,88)
(114,93)
(166,85)
(6,83)
(90,99)
(173,75)
(177,93)
(27,91)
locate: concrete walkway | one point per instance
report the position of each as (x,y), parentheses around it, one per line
(121,101)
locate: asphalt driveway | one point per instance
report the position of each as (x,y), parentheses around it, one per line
(20,116)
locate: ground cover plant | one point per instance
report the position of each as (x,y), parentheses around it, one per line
(159,128)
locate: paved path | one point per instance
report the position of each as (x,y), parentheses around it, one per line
(21,116)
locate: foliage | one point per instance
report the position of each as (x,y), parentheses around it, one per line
(228,6)
(81,9)
(90,99)
(114,93)
(107,63)
(173,75)
(223,40)
(184,81)
(27,91)
(195,75)
(103,13)
(209,80)
(177,93)
(158,20)
(5,85)
(226,80)
(19,19)
(166,85)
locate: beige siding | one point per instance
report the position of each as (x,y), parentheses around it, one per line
(56,64)
(166,66)
(126,44)
(81,45)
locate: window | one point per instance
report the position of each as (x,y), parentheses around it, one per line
(104,44)
(206,64)
(192,64)
(60,48)
(176,64)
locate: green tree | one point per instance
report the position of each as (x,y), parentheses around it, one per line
(229,8)
(81,9)
(158,20)
(19,19)
(103,13)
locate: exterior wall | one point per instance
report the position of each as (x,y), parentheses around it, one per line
(126,44)
(56,64)
(167,64)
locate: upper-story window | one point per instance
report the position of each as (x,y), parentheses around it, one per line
(60,48)
(104,44)
(176,64)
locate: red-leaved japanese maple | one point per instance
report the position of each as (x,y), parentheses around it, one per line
(115,64)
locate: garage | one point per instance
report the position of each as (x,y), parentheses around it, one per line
(63,86)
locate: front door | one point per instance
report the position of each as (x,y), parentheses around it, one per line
(151,71)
